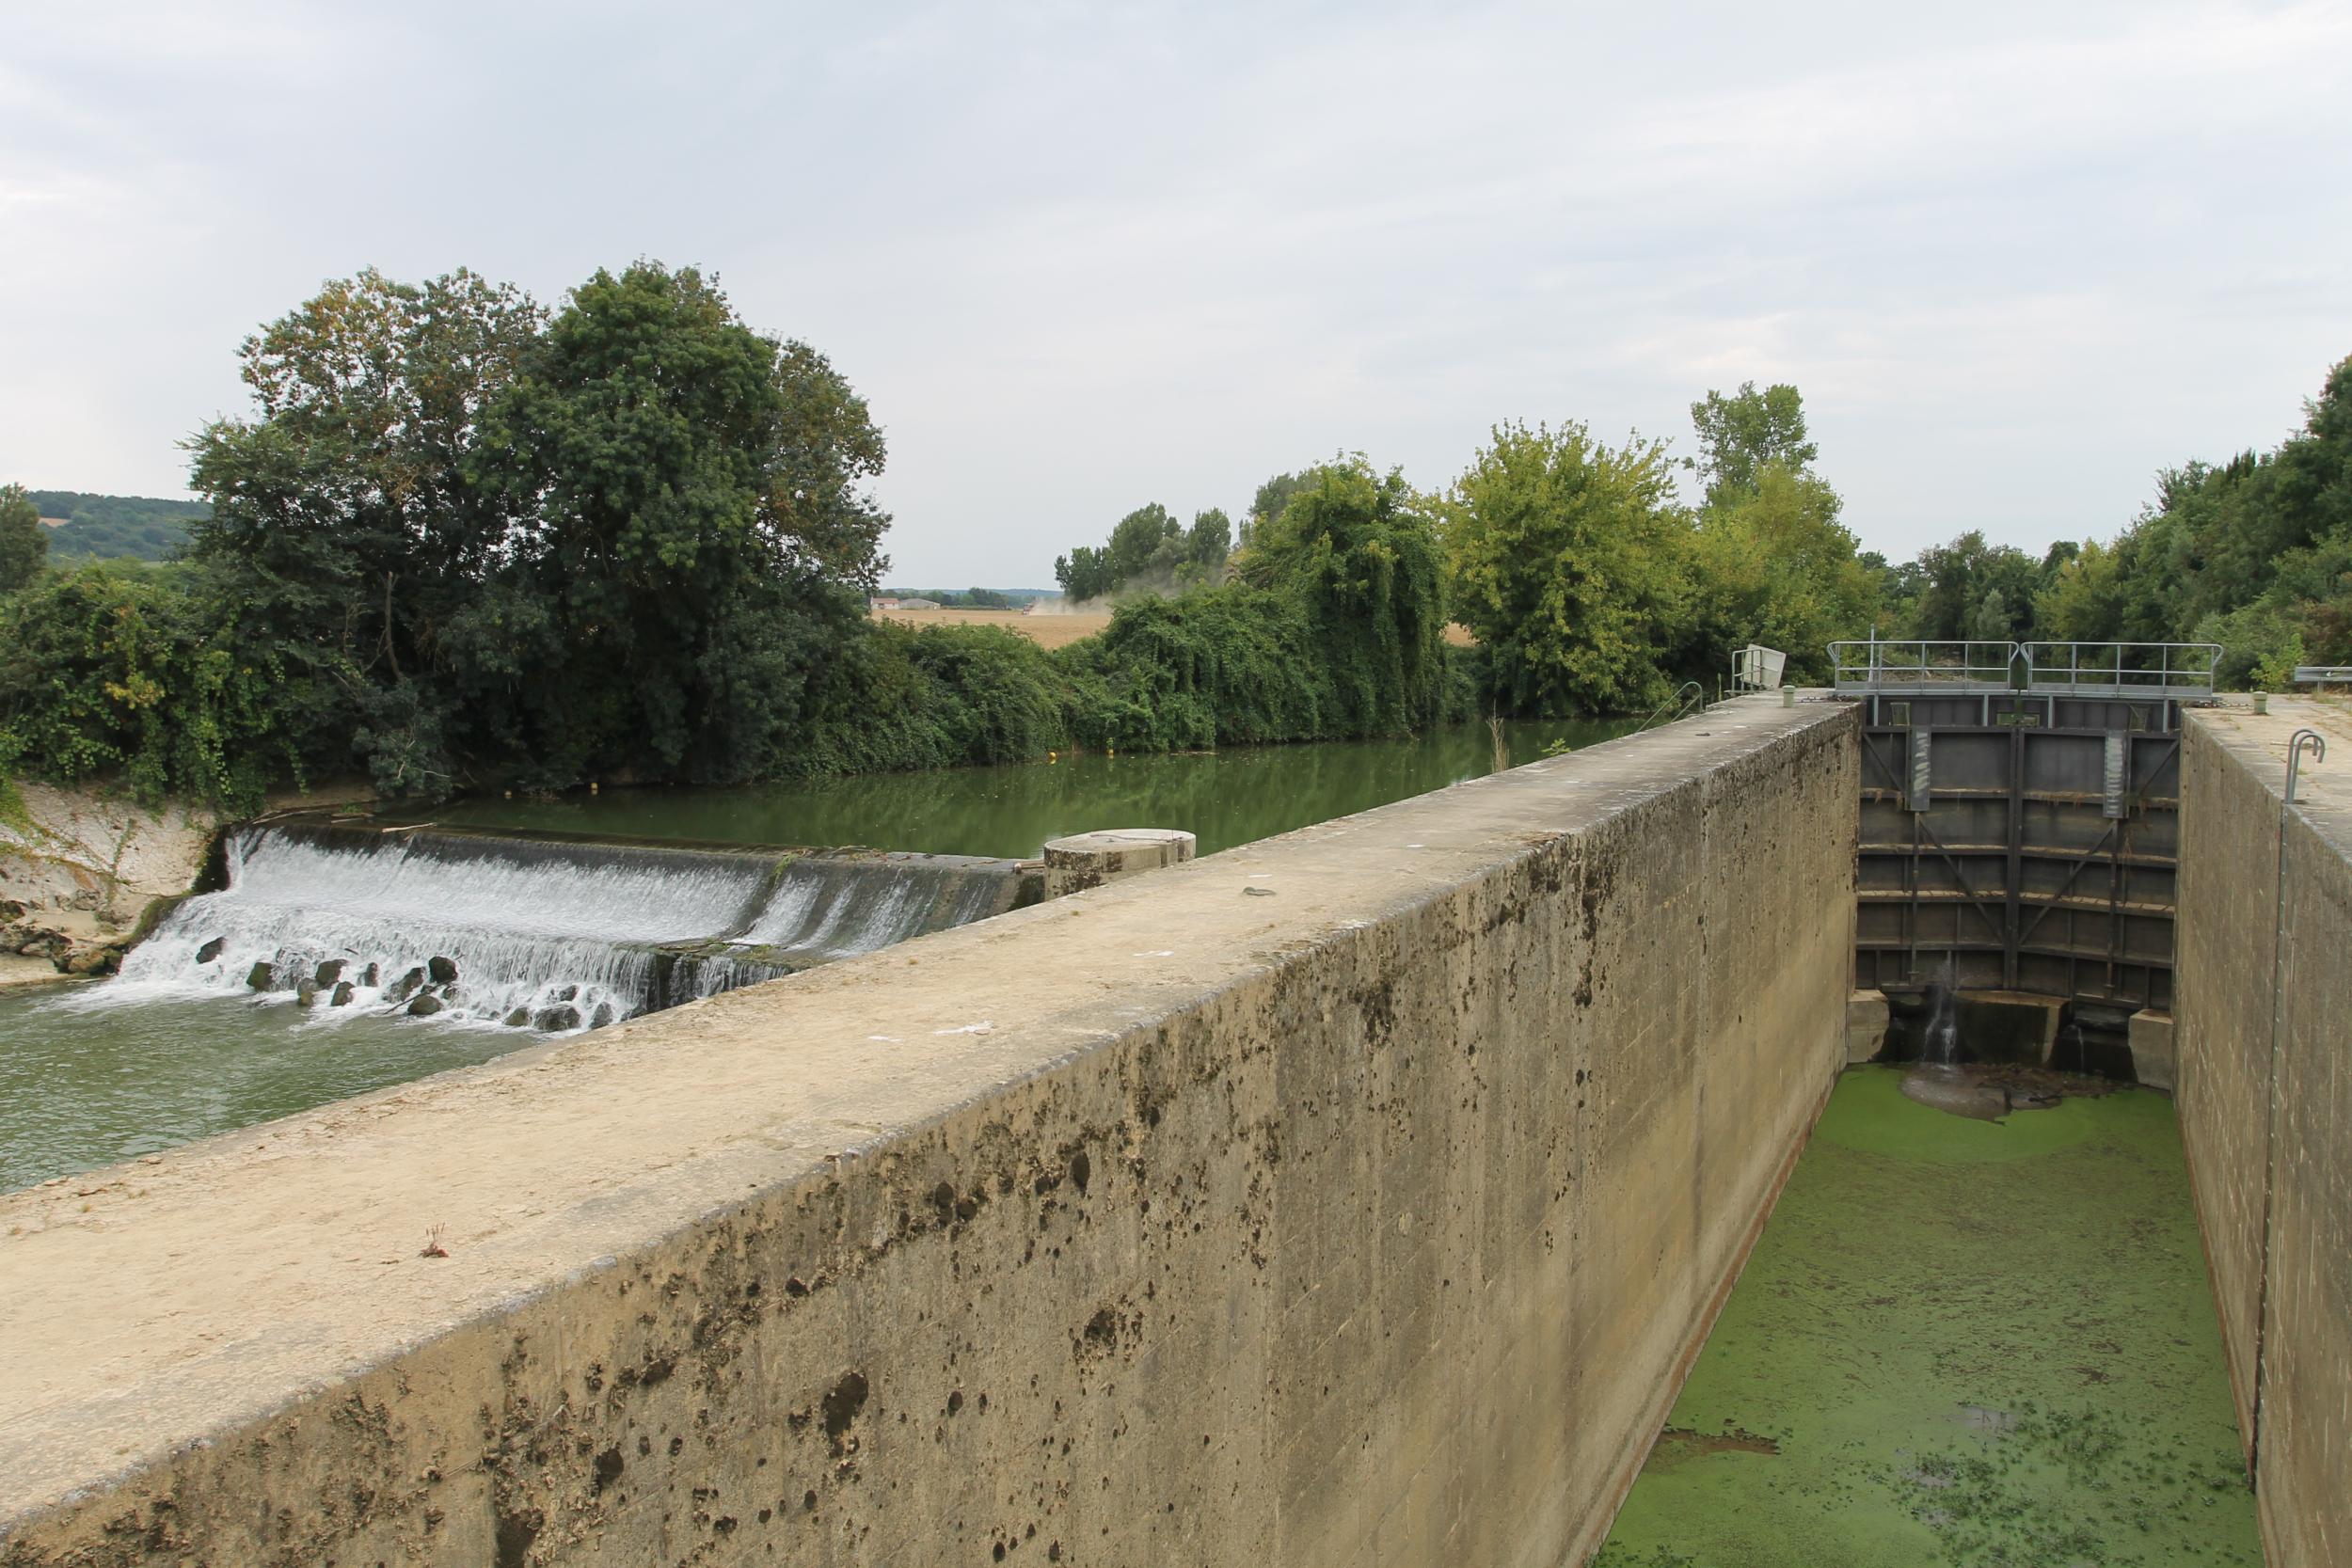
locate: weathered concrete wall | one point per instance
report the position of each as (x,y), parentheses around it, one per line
(2264,1035)
(1354,1196)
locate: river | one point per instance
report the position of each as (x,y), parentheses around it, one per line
(96,1072)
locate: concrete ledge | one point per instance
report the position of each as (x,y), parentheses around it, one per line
(1366,1218)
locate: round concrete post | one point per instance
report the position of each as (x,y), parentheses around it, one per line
(1083,861)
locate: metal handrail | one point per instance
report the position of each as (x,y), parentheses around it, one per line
(2323,675)
(2122,668)
(1681,703)
(1879,664)
(2180,671)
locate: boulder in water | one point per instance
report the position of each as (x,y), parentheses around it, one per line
(210,950)
(260,978)
(406,987)
(442,969)
(570,993)
(556,1020)
(343,994)
(328,973)
(602,1016)
(371,976)
(306,993)
(424,1007)
(518,1019)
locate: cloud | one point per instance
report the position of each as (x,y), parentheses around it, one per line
(1080,257)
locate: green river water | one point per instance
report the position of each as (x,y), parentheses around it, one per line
(91,1074)
(1987,1344)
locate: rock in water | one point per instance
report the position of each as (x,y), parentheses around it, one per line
(602,1016)
(260,977)
(343,994)
(424,1007)
(518,1019)
(371,976)
(328,973)
(555,1020)
(210,950)
(406,987)
(307,993)
(442,969)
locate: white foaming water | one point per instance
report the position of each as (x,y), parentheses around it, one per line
(536,936)
(556,938)
(830,910)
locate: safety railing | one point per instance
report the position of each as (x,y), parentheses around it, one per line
(1917,667)
(2322,675)
(2179,671)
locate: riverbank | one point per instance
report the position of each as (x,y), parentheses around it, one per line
(1959,1341)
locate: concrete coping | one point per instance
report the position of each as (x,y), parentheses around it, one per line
(179,1299)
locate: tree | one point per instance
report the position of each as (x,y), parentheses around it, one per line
(1207,544)
(1358,551)
(23,540)
(1270,499)
(689,532)
(1774,565)
(1569,562)
(1971,589)
(1740,434)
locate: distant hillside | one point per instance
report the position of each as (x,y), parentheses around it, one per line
(106,528)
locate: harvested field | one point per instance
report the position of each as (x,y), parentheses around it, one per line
(1052,631)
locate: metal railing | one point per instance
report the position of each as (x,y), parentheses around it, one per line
(2179,671)
(2182,670)
(1912,667)
(2322,675)
(1687,698)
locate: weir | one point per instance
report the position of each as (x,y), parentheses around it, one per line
(550,932)
(1361,1194)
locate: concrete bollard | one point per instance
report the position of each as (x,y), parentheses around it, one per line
(1083,861)
(2261,702)
(1789,696)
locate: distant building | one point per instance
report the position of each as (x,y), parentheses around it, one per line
(918,604)
(883,604)
(53,522)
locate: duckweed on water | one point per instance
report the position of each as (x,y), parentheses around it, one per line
(1983,1344)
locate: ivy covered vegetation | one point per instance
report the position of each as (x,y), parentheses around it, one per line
(464,542)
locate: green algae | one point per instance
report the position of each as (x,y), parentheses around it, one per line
(1986,1344)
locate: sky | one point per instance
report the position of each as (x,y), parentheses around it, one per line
(2017,257)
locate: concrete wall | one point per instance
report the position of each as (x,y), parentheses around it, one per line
(1357,1197)
(2266,1099)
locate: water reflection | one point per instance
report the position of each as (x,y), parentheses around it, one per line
(1226,798)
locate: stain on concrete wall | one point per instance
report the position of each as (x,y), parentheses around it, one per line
(1372,1222)
(2266,1100)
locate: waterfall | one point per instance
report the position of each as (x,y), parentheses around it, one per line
(831,909)
(1939,1046)
(554,936)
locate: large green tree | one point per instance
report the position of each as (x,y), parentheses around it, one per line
(1774,565)
(1740,435)
(24,539)
(1570,563)
(1358,550)
(690,531)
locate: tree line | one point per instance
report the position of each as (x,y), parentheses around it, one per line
(465,541)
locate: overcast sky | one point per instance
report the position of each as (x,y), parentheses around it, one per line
(1081,257)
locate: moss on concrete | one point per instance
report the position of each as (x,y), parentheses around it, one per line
(1964,1343)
